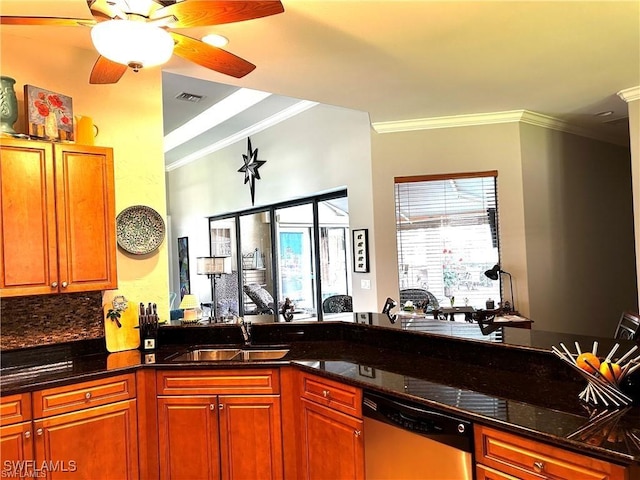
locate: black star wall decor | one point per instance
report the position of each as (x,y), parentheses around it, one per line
(250,169)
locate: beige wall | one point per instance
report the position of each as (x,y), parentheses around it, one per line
(129,117)
(579,230)
(634,130)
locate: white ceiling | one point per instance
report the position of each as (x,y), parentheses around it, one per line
(401,60)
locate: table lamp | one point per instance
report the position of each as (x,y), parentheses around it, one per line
(213,267)
(494,274)
(190,305)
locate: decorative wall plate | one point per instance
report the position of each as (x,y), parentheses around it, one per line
(140,229)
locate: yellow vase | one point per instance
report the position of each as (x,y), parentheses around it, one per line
(85,130)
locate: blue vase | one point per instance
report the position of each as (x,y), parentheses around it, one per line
(8,105)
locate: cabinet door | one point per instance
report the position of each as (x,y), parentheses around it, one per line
(28,251)
(86,218)
(251,437)
(188,438)
(332,443)
(16,446)
(96,443)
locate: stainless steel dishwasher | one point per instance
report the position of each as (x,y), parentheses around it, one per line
(407,441)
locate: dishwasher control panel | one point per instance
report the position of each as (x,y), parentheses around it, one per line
(419,419)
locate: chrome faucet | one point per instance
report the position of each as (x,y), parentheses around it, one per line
(245,328)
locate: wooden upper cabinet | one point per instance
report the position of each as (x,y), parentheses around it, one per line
(57,232)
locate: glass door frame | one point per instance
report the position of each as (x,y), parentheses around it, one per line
(271,209)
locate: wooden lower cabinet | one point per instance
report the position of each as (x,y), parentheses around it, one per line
(503,455)
(220,436)
(95,443)
(92,435)
(332,443)
(188,438)
(16,446)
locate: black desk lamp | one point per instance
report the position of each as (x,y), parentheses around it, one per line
(494,274)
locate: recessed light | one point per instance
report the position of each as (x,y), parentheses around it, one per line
(604,114)
(215,40)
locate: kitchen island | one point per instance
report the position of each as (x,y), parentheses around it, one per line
(518,389)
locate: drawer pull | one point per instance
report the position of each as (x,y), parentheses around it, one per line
(326,393)
(87,395)
(538,466)
(357,433)
(27,434)
(39,432)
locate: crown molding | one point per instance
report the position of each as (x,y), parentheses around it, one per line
(431,123)
(630,94)
(510,116)
(242,134)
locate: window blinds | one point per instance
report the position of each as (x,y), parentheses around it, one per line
(447,236)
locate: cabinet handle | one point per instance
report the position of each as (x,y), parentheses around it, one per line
(212,406)
(54,285)
(27,434)
(538,466)
(357,433)
(326,393)
(64,284)
(39,432)
(221,406)
(87,395)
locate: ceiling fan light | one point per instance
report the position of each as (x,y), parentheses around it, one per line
(215,40)
(132,43)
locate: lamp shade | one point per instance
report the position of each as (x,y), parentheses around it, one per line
(189,301)
(132,43)
(493,273)
(213,265)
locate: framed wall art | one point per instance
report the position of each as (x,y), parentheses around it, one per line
(360,250)
(49,115)
(183,262)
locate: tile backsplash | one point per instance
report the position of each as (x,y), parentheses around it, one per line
(48,319)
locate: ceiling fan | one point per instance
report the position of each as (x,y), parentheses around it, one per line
(138,33)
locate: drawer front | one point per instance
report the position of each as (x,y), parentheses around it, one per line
(15,408)
(204,382)
(341,397)
(524,458)
(69,398)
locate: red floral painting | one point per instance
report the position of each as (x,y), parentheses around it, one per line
(49,114)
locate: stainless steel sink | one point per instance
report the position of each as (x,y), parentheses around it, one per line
(208,354)
(249,355)
(235,354)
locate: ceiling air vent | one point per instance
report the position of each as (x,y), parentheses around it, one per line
(189,97)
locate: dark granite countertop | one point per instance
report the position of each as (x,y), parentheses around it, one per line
(526,391)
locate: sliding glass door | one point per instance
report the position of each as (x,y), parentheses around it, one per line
(296,258)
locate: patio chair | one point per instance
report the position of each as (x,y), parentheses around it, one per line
(628,327)
(337,304)
(419,296)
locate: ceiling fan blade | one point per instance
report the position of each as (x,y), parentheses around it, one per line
(210,57)
(46,21)
(201,13)
(105,71)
